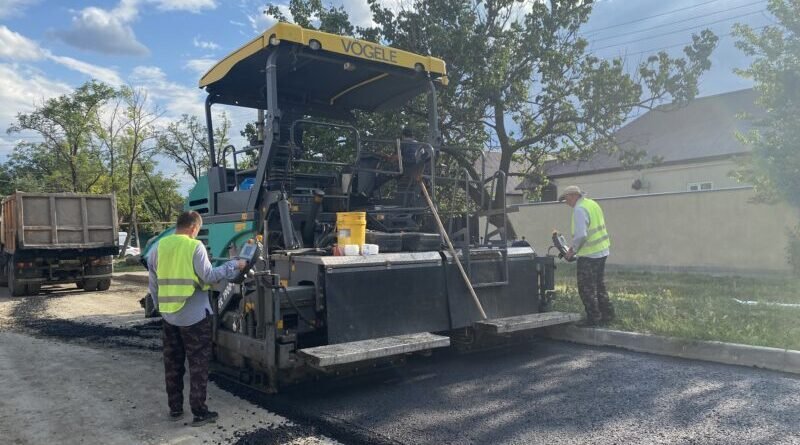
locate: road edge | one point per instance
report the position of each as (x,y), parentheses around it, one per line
(784,360)
(131,277)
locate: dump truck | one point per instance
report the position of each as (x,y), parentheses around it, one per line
(300,309)
(52,238)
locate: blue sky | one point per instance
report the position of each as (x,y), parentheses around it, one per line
(48,47)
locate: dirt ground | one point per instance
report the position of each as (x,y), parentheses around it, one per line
(85,367)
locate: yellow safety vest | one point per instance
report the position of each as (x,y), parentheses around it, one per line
(177,279)
(596,235)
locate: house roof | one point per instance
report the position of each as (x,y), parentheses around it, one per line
(493,165)
(705,128)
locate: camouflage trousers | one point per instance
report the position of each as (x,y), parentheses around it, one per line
(592,289)
(192,344)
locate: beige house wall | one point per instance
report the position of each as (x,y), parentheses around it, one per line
(705,231)
(661,179)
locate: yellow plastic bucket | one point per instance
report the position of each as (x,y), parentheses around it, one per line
(351,228)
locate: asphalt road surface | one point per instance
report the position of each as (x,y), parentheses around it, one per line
(558,393)
(545,392)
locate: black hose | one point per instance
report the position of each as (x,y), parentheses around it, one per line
(324,241)
(299,314)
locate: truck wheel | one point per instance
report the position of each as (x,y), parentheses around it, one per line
(79,284)
(15,288)
(89,285)
(103,285)
(33,288)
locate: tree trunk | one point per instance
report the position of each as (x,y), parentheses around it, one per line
(135,224)
(126,243)
(505,165)
(74,175)
(113,183)
(132,206)
(476,193)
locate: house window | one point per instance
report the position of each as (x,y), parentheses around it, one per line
(700,186)
(549,193)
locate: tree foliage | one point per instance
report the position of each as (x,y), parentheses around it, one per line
(774,166)
(521,76)
(185,141)
(96,139)
(67,125)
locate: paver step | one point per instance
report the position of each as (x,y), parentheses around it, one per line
(356,351)
(525,322)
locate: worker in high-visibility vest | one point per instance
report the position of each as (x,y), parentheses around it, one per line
(591,244)
(180,274)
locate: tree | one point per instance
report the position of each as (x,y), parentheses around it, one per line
(67,125)
(521,71)
(113,146)
(775,71)
(138,135)
(158,197)
(185,141)
(774,166)
(110,132)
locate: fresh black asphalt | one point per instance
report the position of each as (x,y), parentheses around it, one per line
(550,392)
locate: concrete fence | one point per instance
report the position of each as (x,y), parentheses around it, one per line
(714,231)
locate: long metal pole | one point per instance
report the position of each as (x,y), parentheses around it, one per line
(210,130)
(453,250)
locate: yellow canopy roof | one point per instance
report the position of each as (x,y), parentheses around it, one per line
(360,49)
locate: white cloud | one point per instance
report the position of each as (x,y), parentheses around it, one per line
(17,47)
(11,8)
(22,88)
(127,10)
(260,22)
(359,12)
(105,31)
(177,99)
(109,31)
(200,66)
(147,73)
(186,5)
(100,73)
(203,44)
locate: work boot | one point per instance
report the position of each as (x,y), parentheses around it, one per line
(175,415)
(204,418)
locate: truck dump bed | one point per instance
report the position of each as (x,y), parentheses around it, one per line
(58,221)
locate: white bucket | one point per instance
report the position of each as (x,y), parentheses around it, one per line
(369,249)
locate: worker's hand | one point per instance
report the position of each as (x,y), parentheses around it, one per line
(241,264)
(570,254)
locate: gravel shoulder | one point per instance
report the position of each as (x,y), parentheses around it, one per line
(82,367)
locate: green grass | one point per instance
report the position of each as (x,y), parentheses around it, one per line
(120,266)
(696,306)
